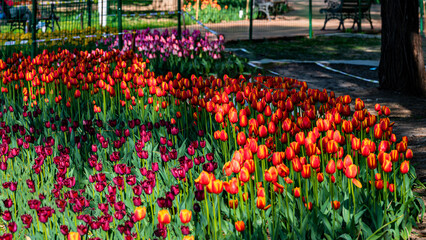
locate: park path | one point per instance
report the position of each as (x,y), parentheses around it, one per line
(291,24)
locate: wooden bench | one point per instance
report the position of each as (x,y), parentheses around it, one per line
(347,9)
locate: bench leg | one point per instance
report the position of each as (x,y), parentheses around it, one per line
(325,23)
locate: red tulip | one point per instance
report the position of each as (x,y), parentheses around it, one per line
(241,138)
(409,154)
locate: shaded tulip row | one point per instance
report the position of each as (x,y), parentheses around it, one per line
(116,151)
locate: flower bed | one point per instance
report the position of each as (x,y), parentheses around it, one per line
(192,54)
(95,145)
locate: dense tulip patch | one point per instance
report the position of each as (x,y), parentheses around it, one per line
(192,54)
(96,146)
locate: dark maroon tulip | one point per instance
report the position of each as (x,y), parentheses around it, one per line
(155,167)
(27,220)
(7,216)
(203,144)
(3,166)
(12,227)
(103,207)
(184,230)
(199,195)
(69,182)
(82,229)
(64,230)
(210,157)
(8,203)
(119,215)
(137,201)
(191,150)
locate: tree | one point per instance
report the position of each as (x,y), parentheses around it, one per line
(401,63)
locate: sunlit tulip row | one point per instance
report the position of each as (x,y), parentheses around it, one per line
(96,146)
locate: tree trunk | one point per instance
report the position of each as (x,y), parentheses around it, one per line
(401,62)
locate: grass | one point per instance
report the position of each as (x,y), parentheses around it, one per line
(319,48)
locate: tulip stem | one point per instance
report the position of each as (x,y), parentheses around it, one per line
(214,217)
(207,209)
(394,184)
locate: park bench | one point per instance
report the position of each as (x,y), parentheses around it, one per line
(268,7)
(45,15)
(347,9)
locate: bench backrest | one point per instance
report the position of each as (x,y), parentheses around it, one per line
(353,5)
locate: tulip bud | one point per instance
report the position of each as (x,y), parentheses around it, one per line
(185,216)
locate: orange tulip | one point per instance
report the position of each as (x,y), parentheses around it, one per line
(140,213)
(231,186)
(261,202)
(233,203)
(306,171)
(315,161)
(409,154)
(262,152)
(296,192)
(187,237)
(278,187)
(387,166)
(204,178)
(185,216)
(331,167)
(215,186)
(164,216)
(405,167)
(263,131)
(74,236)
(283,170)
(244,175)
(320,177)
(297,165)
(356,182)
(378,184)
(240,226)
(271,175)
(241,138)
(335,205)
(372,161)
(235,166)
(277,158)
(351,171)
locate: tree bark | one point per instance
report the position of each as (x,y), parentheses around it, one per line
(401,63)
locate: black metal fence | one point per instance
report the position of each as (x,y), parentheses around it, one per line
(32,26)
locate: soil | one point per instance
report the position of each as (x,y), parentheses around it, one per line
(408,112)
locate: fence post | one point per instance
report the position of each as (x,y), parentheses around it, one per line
(89,13)
(120,26)
(179,30)
(251,21)
(422,12)
(311,34)
(33,29)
